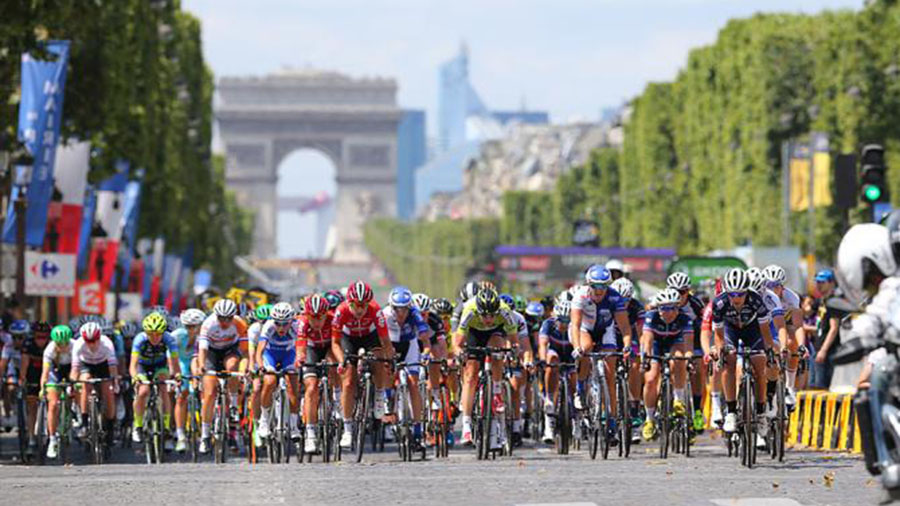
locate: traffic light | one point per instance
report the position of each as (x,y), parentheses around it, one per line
(872,180)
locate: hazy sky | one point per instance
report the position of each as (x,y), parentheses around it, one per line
(569,57)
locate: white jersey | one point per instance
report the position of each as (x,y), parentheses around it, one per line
(54,356)
(253,332)
(791,302)
(523,325)
(279,342)
(585,303)
(214,335)
(772,302)
(103,352)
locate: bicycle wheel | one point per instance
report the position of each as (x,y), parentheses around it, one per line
(221,444)
(362,417)
(159,434)
(40,431)
(664,420)
(748,443)
(96,428)
(444,421)
(324,428)
(147,431)
(563,418)
(780,420)
(623,417)
(603,407)
(508,417)
(193,426)
(21,426)
(487,414)
(688,431)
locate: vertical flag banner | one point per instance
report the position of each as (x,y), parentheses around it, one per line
(799,167)
(821,160)
(110,203)
(40,114)
(70,180)
(84,235)
(128,225)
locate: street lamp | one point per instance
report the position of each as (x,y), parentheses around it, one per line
(22,180)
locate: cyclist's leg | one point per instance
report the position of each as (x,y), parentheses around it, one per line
(52,409)
(412,355)
(497,341)
(348,381)
(210,388)
(311,386)
(142,393)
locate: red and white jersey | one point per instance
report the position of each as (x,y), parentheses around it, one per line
(103,351)
(346,324)
(308,335)
(214,335)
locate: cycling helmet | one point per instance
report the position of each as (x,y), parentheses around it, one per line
(61,335)
(774,274)
(679,281)
(507,299)
(624,287)
(315,305)
(487,302)
(754,274)
(486,285)
(521,303)
(422,302)
(90,332)
(597,275)
(191,317)
(334,298)
(535,309)
(262,312)
(736,280)
(667,297)
(225,308)
(40,327)
(562,309)
(129,330)
(615,265)
(19,327)
(400,297)
(442,306)
(468,291)
(864,259)
(154,322)
(359,292)
(825,276)
(282,312)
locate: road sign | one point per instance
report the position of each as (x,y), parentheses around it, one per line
(701,268)
(89,297)
(50,274)
(131,306)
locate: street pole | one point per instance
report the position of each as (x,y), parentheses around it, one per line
(786,193)
(811,210)
(21,206)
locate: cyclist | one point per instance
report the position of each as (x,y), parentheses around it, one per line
(438,344)
(706,343)
(443,309)
(277,352)
(30,370)
(666,329)
(358,323)
(466,293)
(595,307)
(218,351)
(740,314)
(616,268)
(10,362)
(775,276)
(409,333)
(534,312)
(554,347)
(313,348)
(94,357)
(484,321)
(186,337)
(260,317)
(154,354)
(517,381)
(636,314)
(334,299)
(57,364)
(692,306)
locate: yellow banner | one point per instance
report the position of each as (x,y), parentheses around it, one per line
(821,179)
(799,184)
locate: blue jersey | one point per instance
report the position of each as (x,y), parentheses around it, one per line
(185,349)
(277,341)
(753,312)
(681,328)
(409,330)
(550,330)
(636,313)
(153,354)
(597,316)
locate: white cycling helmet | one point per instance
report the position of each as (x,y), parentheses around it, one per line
(624,287)
(282,312)
(736,280)
(774,274)
(667,297)
(678,281)
(615,265)
(225,308)
(864,258)
(562,309)
(755,275)
(190,317)
(421,301)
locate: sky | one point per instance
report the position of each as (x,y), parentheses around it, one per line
(571,58)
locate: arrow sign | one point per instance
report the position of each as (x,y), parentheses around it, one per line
(49,274)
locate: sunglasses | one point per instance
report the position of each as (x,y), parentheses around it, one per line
(224,319)
(598,286)
(684,291)
(772,284)
(668,307)
(735,295)
(283,323)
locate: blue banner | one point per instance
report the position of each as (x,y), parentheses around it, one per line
(87,222)
(148,277)
(40,114)
(131,208)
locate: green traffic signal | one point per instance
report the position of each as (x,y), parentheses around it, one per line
(872,193)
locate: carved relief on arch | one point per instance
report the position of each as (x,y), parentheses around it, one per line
(283,147)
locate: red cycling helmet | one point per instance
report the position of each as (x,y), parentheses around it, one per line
(90,332)
(316,305)
(359,292)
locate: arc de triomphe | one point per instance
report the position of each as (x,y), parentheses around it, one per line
(352,121)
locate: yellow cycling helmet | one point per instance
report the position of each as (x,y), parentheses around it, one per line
(154,322)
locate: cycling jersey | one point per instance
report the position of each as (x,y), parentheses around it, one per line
(772,302)
(693,307)
(309,336)
(436,324)
(148,353)
(58,362)
(457,313)
(706,324)
(557,340)
(522,324)
(471,319)
(411,328)
(13,356)
(253,334)
(636,313)
(104,352)
(596,317)
(666,335)
(790,301)
(186,349)
(741,324)
(345,323)
(214,335)
(281,347)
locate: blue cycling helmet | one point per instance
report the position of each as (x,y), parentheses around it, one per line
(824,275)
(400,297)
(507,299)
(597,275)
(535,309)
(18,327)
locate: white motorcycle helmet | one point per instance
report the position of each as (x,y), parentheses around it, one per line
(864,258)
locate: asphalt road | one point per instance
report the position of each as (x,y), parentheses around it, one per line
(535,475)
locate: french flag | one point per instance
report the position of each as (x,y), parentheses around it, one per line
(67,204)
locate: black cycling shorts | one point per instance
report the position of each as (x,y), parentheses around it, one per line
(480,338)
(314,356)
(351,345)
(96,371)
(215,358)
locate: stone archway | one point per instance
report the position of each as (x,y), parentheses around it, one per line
(352,121)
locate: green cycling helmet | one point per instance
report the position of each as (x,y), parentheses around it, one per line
(262,312)
(61,335)
(521,303)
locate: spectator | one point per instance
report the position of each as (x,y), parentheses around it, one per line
(810,308)
(827,339)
